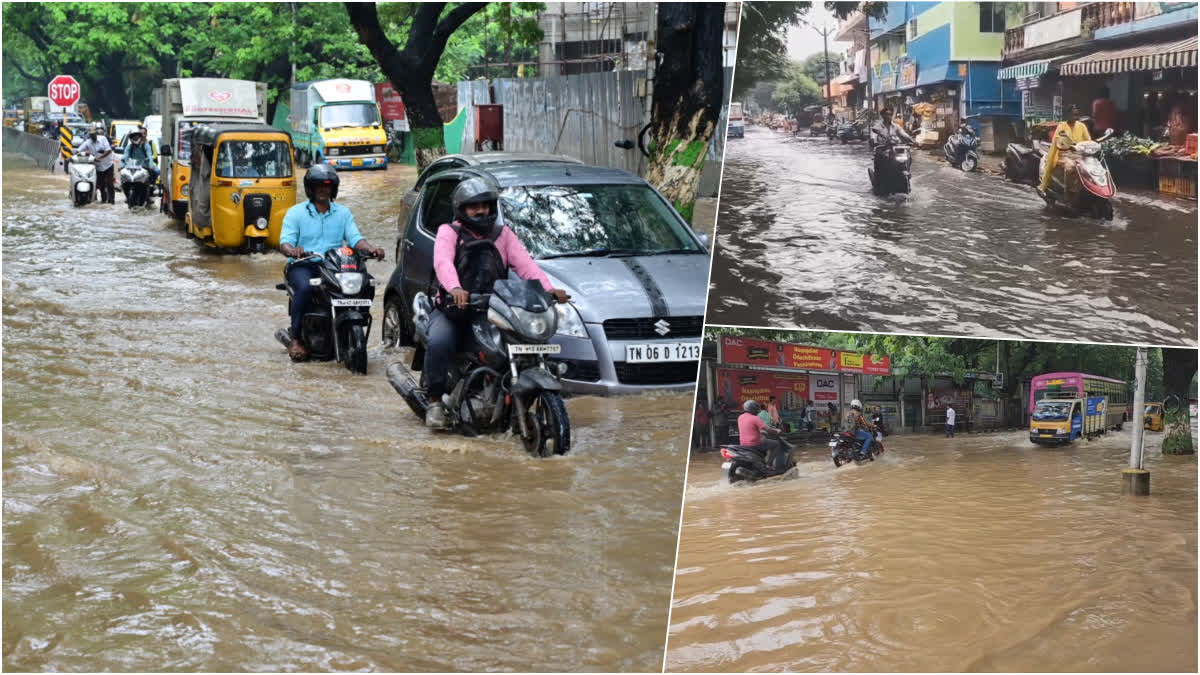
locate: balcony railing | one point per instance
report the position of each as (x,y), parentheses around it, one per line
(1093,15)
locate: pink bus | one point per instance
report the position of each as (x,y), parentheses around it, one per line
(1083,385)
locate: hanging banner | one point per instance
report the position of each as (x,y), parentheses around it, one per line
(751,352)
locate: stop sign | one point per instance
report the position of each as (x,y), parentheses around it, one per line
(63,90)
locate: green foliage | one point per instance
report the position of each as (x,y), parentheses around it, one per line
(502,32)
(814,66)
(796,92)
(1177,437)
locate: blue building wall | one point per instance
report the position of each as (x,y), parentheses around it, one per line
(986,94)
(931,49)
(898,14)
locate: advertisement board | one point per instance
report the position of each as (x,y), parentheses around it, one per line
(737,386)
(753,352)
(867,364)
(203,96)
(391,104)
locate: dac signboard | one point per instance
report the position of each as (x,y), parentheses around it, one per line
(824,389)
(749,351)
(752,352)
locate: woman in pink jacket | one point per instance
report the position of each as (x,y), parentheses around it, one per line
(469,255)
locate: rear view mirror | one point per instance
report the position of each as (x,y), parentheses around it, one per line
(166,151)
(703,238)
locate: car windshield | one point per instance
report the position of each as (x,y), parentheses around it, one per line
(1151,410)
(123,129)
(349,115)
(253,159)
(1051,410)
(594,220)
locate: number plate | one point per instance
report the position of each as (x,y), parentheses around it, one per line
(350,302)
(534,349)
(356,162)
(833,444)
(662,352)
(726,465)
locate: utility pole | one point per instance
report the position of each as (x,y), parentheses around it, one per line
(1136,480)
(828,84)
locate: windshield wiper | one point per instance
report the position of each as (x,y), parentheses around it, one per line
(671,251)
(593,253)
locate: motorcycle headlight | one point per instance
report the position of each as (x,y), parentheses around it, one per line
(569,321)
(536,325)
(351,282)
(261,223)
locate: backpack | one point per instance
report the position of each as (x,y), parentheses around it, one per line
(478,263)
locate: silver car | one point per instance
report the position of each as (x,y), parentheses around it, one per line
(636,271)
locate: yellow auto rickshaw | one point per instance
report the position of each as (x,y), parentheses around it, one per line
(243,181)
(1153,417)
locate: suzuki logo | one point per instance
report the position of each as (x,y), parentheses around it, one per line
(220,96)
(662,327)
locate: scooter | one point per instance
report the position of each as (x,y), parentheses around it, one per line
(849,131)
(135,183)
(892,170)
(750,464)
(1094,190)
(82,170)
(1021,162)
(962,149)
(338,319)
(501,380)
(844,447)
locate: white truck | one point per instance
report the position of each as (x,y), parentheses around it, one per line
(737,122)
(337,122)
(186,102)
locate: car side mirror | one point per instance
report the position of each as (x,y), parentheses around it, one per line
(165,151)
(703,238)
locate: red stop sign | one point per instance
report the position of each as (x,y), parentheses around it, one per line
(63,90)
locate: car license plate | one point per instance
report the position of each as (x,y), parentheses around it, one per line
(662,352)
(534,349)
(356,162)
(726,465)
(350,302)
(833,444)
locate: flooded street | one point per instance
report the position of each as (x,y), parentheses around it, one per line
(978,553)
(180,496)
(804,243)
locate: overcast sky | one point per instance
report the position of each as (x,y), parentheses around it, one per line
(804,40)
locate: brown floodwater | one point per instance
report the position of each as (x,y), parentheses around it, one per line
(179,496)
(978,553)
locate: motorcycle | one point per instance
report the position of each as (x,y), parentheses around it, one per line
(338,319)
(1021,163)
(82,170)
(962,149)
(1093,193)
(135,183)
(892,170)
(745,463)
(849,131)
(501,380)
(844,448)
(816,129)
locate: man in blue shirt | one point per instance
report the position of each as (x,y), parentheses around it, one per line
(314,227)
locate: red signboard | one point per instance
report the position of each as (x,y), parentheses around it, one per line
(752,352)
(738,386)
(63,90)
(390,102)
(810,358)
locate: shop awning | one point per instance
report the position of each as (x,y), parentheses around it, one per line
(1181,54)
(1031,69)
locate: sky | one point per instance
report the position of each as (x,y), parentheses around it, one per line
(804,40)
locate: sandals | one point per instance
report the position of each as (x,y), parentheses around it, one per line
(297,351)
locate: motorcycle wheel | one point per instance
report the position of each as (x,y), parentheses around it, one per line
(907,185)
(549,428)
(394,333)
(356,360)
(731,476)
(969,163)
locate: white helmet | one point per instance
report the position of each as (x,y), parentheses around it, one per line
(857,404)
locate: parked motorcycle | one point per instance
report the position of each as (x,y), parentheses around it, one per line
(1093,192)
(135,183)
(962,149)
(82,170)
(1022,163)
(892,170)
(849,131)
(338,319)
(501,380)
(844,448)
(816,128)
(745,463)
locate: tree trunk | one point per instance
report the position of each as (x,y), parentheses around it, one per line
(688,96)
(1179,365)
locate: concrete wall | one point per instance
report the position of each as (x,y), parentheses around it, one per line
(969,44)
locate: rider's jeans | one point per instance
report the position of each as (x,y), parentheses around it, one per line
(298,278)
(445,338)
(865,436)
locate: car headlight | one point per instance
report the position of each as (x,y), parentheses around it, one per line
(261,223)
(351,282)
(569,321)
(536,325)
(334,151)
(377,149)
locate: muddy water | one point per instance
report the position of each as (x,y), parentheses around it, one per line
(178,495)
(802,242)
(979,553)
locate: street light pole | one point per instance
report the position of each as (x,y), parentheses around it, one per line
(1136,480)
(828,84)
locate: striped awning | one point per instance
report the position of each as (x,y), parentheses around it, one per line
(1031,69)
(1181,54)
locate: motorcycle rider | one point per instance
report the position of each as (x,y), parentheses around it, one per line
(136,149)
(314,227)
(856,424)
(1065,136)
(97,146)
(877,422)
(750,428)
(469,255)
(886,134)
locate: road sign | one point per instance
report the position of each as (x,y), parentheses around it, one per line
(63,90)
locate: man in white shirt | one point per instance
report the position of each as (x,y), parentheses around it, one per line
(97,146)
(950,422)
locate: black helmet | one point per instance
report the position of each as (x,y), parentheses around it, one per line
(478,189)
(318,174)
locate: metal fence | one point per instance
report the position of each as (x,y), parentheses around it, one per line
(43,151)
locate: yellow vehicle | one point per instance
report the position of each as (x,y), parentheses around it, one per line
(243,181)
(119,129)
(1153,419)
(1062,417)
(12,118)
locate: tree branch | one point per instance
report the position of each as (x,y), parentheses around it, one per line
(16,64)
